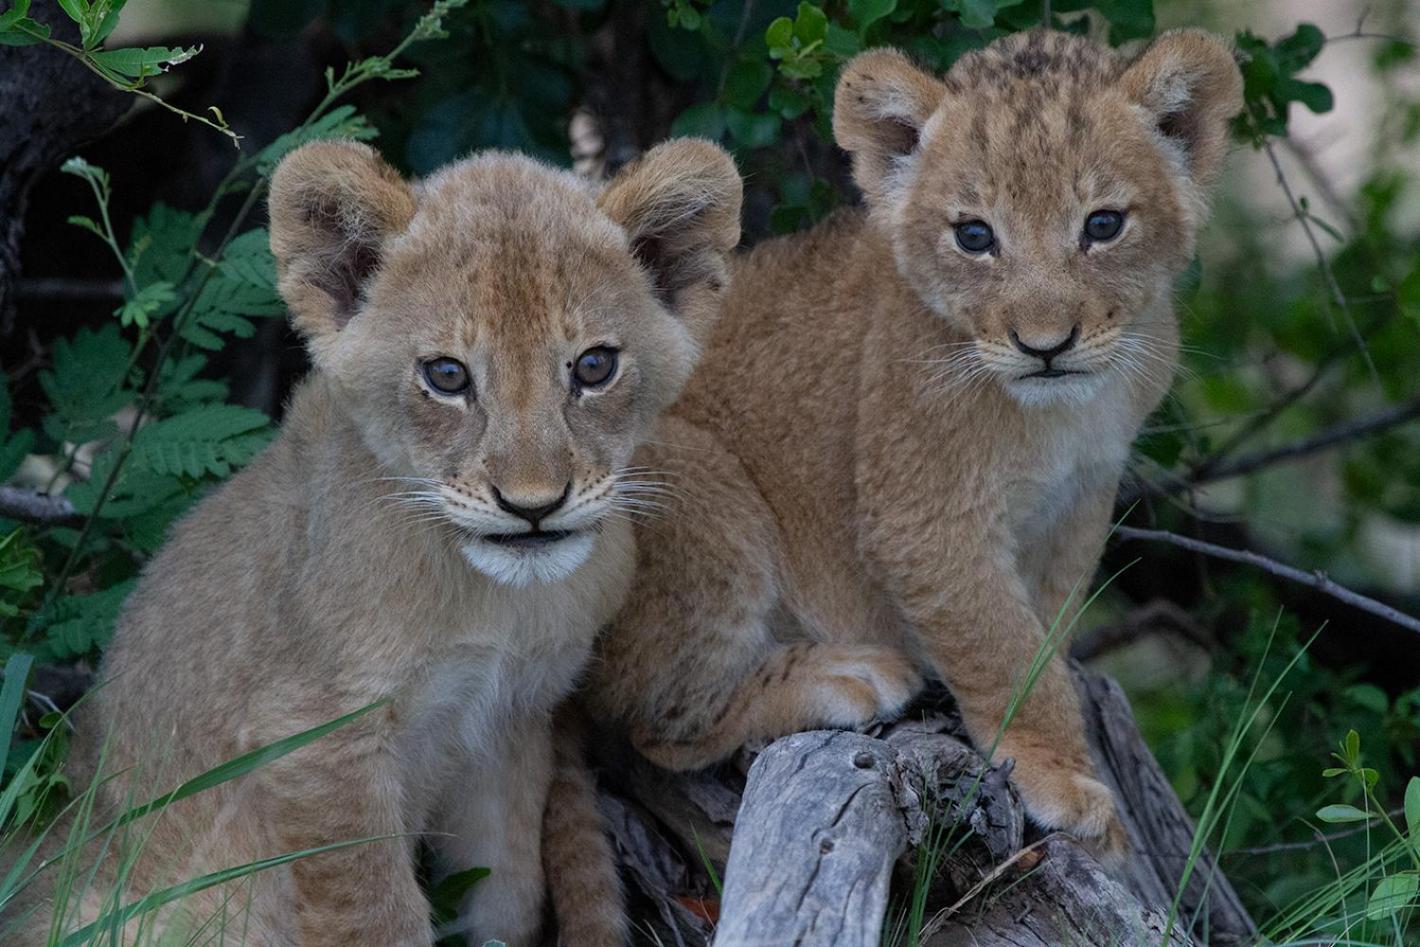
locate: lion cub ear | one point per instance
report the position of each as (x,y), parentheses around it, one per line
(1189,86)
(333,206)
(880,106)
(680,207)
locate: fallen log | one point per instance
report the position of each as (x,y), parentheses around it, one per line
(819,837)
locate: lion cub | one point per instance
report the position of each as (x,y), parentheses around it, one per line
(440,526)
(907,431)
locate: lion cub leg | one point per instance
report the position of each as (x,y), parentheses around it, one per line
(490,816)
(347,787)
(692,666)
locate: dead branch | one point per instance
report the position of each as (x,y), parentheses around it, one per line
(41,509)
(1317,580)
(1217,467)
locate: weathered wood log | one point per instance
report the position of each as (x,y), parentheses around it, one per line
(823,823)
(825,816)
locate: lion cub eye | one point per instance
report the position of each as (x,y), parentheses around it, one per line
(595,367)
(1103,225)
(975,236)
(447,375)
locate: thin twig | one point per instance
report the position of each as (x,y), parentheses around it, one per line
(1338,298)
(1319,839)
(1343,433)
(1317,580)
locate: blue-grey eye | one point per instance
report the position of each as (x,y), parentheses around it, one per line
(975,236)
(1103,225)
(447,375)
(595,367)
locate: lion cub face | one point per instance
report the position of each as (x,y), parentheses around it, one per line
(501,334)
(1043,195)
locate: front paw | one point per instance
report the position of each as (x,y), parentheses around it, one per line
(857,685)
(1068,798)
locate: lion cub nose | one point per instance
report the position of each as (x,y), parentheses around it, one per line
(530,507)
(1043,349)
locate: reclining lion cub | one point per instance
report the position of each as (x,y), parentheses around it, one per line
(438,526)
(907,431)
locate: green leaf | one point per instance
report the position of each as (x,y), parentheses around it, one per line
(1391,894)
(1128,19)
(790,103)
(212,439)
(1412,811)
(19,9)
(24,32)
(145,304)
(780,34)
(705,120)
(141,63)
(1298,50)
(110,20)
(12,697)
(74,9)
(811,24)
(1313,95)
(92,173)
(84,383)
(78,624)
(160,245)
(752,129)
(746,81)
(19,572)
(867,12)
(248,260)
(136,492)
(977,14)
(448,895)
(1341,813)
(340,122)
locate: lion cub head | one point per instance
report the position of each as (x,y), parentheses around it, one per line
(502,334)
(1043,195)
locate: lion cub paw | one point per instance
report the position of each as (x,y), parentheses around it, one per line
(1063,798)
(853,685)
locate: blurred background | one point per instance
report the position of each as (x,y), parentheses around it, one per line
(1291,431)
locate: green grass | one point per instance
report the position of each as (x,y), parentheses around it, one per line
(73,871)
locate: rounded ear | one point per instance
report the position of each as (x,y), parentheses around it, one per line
(333,205)
(879,108)
(680,207)
(1189,85)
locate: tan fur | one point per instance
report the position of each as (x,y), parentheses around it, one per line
(337,570)
(866,483)
(576,852)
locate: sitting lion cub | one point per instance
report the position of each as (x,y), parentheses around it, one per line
(907,430)
(441,526)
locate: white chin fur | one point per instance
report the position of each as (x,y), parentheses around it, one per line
(520,567)
(1072,389)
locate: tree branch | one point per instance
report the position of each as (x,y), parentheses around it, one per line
(1316,580)
(1343,433)
(31,506)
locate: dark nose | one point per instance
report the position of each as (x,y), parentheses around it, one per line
(1047,354)
(533,511)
